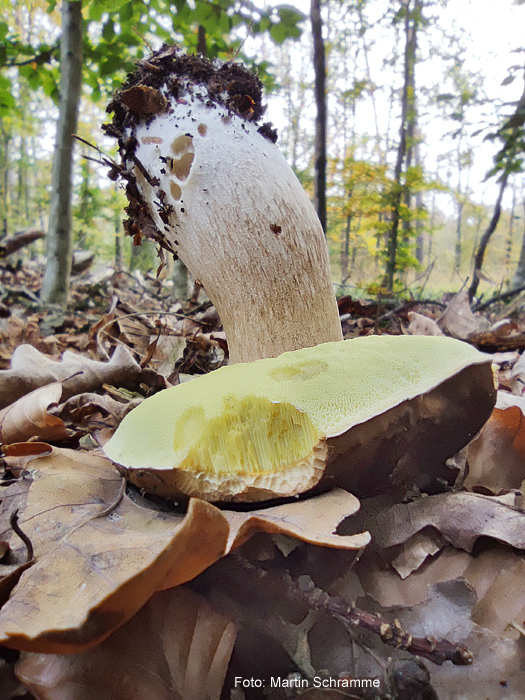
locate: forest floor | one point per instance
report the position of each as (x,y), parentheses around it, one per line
(434,603)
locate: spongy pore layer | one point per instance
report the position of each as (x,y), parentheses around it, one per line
(250,436)
(266,415)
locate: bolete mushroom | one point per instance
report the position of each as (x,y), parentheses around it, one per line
(351,413)
(207,183)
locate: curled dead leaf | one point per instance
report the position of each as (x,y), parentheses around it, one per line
(496,457)
(28,418)
(460,518)
(458,319)
(422,325)
(31,370)
(188,649)
(101,553)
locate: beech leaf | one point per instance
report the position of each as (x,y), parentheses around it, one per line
(458,319)
(176,648)
(99,556)
(496,457)
(101,552)
(461,518)
(29,418)
(30,369)
(312,520)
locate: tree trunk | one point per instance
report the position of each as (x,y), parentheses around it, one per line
(510,236)
(485,238)
(181,280)
(5,180)
(459,219)
(519,276)
(345,249)
(55,287)
(320,120)
(201,41)
(507,155)
(407,133)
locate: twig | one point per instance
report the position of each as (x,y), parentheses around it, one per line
(13,521)
(408,304)
(500,297)
(392,634)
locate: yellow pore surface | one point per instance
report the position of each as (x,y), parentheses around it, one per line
(269,414)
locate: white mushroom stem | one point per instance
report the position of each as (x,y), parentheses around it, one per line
(224,197)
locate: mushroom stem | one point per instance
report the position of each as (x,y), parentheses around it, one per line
(209,184)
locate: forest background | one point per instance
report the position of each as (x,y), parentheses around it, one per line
(408,133)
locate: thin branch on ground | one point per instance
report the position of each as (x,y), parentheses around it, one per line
(391,633)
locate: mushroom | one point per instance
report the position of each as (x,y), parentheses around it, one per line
(207,182)
(362,414)
(298,410)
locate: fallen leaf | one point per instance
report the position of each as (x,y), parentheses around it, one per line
(416,551)
(458,320)
(422,325)
(312,520)
(504,327)
(30,370)
(29,418)
(99,557)
(473,599)
(461,518)
(12,498)
(496,457)
(517,377)
(101,553)
(176,648)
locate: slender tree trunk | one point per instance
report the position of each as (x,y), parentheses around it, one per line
(411,118)
(519,276)
(5,181)
(181,280)
(508,153)
(345,249)
(320,120)
(510,236)
(201,41)
(397,195)
(485,238)
(459,220)
(55,287)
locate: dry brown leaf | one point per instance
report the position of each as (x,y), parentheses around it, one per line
(98,558)
(101,555)
(312,520)
(422,325)
(416,550)
(176,648)
(517,377)
(31,370)
(29,418)
(458,319)
(461,518)
(91,410)
(496,458)
(477,600)
(12,498)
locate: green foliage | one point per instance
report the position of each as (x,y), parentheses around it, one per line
(511,155)
(359,214)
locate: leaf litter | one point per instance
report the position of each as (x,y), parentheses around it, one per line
(447,566)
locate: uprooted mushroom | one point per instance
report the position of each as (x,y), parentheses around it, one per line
(207,182)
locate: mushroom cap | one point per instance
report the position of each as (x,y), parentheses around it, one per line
(281,426)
